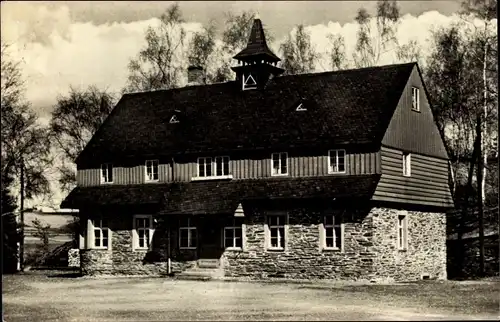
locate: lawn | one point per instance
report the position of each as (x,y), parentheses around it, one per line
(43,298)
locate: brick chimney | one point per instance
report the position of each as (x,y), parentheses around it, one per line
(195,75)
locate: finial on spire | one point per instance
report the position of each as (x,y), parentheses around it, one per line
(256,15)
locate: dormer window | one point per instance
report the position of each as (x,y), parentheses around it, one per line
(249,82)
(415,99)
(174,119)
(106,173)
(152,170)
(301,108)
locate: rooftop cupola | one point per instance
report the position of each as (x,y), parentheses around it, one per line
(256,63)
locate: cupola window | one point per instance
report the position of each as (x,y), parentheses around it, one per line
(249,82)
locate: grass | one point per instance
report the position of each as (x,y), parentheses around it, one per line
(39,297)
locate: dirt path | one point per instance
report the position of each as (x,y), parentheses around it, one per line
(132,299)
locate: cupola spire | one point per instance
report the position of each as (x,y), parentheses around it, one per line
(257,63)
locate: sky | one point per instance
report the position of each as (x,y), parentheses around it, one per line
(79,43)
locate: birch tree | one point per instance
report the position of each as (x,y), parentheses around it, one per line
(76,116)
(372,44)
(338,60)
(159,65)
(299,55)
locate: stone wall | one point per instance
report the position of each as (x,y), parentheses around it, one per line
(369,248)
(74,257)
(426,252)
(121,259)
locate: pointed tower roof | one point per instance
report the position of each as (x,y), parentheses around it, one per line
(257,45)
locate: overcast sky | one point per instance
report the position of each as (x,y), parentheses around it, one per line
(75,43)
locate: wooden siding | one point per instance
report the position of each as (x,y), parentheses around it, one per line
(298,166)
(414,131)
(427,185)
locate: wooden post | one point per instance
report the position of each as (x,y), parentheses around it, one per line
(21,241)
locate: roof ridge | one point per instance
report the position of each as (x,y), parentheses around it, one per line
(278,77)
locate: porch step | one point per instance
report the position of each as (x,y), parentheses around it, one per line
(200,274)
(208,263)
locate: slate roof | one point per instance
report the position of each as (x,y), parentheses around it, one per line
(222,197)
(343,107)
(257,44)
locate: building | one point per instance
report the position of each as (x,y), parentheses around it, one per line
(336,175)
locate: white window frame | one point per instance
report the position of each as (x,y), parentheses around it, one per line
(150,164)
(244,84)
(337,224)
(135,232)
(191,230)
(415,99)
(234,227)
(336,151)
(106,173)
(97,225)
(279,160)
(213,165)
(269,227)
(402,232)
(407,164)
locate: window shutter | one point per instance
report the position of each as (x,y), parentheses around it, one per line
(110,239)
(321,235)
(243,236)
(342,239)
(287,233)
(90,234)
(266,233)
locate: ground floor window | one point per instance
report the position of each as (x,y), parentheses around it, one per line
(143,231)
(333,236)
(233,235)
(101,233)
(187,234)
(402,232)
(276,231)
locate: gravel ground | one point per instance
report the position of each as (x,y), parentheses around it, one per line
(38,297)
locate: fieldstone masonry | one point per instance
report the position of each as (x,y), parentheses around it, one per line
(370,251)
(74,258)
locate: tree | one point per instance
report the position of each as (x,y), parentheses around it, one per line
(159,65)
(482,40)
(409,52)
(25,152)
(75,118)
(203,52)
(299,56)
(337,52)
(371,45)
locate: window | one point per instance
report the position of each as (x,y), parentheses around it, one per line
(279,164)
(277,235)
(402,232)
(143,231)
(415,99)
(152,170)
(407,164)
(213,167)
(174,119)
(233,237)
(106,173)
(187,234)
(300,108)
(249,82)
(101,233)
(336,161)
(332,232)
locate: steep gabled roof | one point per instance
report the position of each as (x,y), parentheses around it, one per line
(257,44)
(343,107)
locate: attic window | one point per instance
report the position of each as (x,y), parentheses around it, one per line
(415,99)
(301,108)
(174,119)
(249,82)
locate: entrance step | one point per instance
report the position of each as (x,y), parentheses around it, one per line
(208,263)
(200,274)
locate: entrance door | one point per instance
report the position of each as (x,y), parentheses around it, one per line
(210,239)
